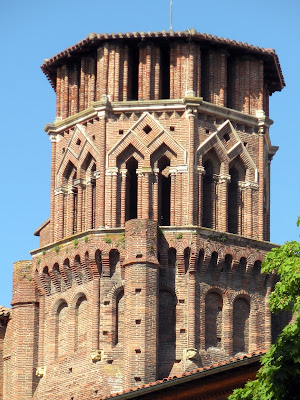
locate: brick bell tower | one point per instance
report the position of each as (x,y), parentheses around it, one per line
(149,264)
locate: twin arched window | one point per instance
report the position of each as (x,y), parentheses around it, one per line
(64,326)
(214,323)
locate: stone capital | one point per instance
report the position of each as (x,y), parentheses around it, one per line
(182,168)
(123,172)
(251,185)
(54,137)
(40,371)
(113,171)
(191,354)
(140,172)
(79,182)
(147,170)
(224,178)
(96,355)
(96,174)
(200,170)
(242,185)
(60,190)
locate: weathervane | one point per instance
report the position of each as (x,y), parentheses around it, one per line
(171,27)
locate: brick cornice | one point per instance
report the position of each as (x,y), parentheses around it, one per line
(104,107)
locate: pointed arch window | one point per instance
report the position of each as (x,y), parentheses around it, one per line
(131,189)
(164,191)
(93,199)
(120,317)
(211,166)
(237,174)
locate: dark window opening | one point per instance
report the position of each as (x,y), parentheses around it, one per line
(114,259)
(93,182)
(241,314)
(208,196)
(186,255)
(164,191)
(131,189)
(213,320)
(233,201)
(133,72)
(226,137)
(172,257)
(204,75)
(119,318)
(147,129)
(230,83)
(75,209)
(165,72)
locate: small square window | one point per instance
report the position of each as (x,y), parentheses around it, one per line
(147,129)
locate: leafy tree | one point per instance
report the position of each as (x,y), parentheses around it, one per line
(279,376)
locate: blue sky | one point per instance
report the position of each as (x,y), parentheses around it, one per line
(32,30)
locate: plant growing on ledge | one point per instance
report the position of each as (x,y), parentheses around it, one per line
(107,239)
(75,243)
(57,248)
(279,376)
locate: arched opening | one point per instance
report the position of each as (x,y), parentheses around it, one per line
(213,320)
(93,187)
(81,330)
(46,281)
(172,257)
(223,279)
(131,189)
(78,269)
(75,204)
(68,276)
(237,173)
(164,191)
(98,258)
(114,259)
(211,268)
(211,165)
(186,255)
(256,271)
(240,273)
(68,223)
(166,333)
(200,260)
(61,346)
(58,279)
(120,317)
(241,313)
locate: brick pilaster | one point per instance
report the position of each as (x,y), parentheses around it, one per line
(141,307)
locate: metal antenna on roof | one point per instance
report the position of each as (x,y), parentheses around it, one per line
(171,27)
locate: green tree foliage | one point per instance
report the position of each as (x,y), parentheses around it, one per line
(279,376)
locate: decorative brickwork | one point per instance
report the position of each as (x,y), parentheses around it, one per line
(149,265)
